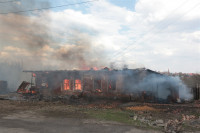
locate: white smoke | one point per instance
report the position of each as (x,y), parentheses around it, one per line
(161,86)
(12,73)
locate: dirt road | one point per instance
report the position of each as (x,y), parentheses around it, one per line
(114,117)
(30,122)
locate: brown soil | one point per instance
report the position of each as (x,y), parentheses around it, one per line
(27,110)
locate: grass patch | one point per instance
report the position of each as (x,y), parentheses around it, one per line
(117,115)
(111,115)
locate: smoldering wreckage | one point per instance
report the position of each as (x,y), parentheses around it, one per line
(140,85)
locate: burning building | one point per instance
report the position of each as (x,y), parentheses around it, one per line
(134,84)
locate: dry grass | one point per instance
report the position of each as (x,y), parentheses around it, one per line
(142,108)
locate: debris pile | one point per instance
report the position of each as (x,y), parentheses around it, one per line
(173,126)
(170,118)
(187,117)
(169,126)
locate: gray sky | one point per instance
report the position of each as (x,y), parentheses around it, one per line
(156,34)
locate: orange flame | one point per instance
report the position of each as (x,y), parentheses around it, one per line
(95,68)
(66,84)
(78,84)
(98,90)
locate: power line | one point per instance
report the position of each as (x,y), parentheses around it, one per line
(155,26)
(38,9)
(8,1)
(126,48)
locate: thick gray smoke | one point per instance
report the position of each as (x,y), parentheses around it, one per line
(25,31)
(81,53)
(20,37)
(161,86)
(12,73)
(23,36)
(164,86)
(28,37)
(31,37)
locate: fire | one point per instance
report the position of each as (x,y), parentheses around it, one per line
(26,91)
(66,84)
(95,68)
(98,90)
(33,75)
(33,92)
(110,87)
(25,88)
(78,84)
(91,68)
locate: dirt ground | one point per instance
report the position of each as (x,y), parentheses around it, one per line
(27,122)
(107,117)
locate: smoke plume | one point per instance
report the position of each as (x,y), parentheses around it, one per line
(12,73)
(81,53)
(22,36)
(161,86)
(31,37)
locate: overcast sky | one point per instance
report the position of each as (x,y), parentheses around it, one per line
(156,34)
